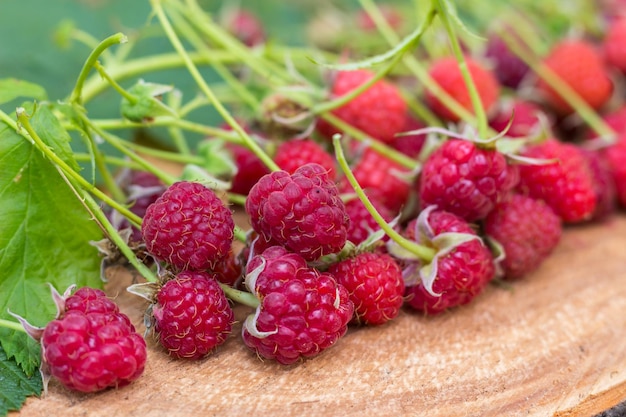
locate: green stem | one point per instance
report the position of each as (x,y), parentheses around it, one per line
(176,133)
(237,199)
(166,155)
(477,105)
(204,87)
(111,160)
(107,178)
(424,253)
(241,297)
(13,325)
(128,96)
(23,119)
(240,234)
(76,96)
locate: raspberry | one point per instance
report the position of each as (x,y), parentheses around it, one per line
(615,159)
(188,226)
(410,145)
(302,311)
(603,183)
(509,69)
(192,315)
(461,178)
(92,346)
(526,118)
(392,16)
(579,65)
(377,173)
(527,229)
(362,224)
(246,27)
(301,211)
(375,284)
(249,169)
(379,111)
(566,185)
(229,270)
(292,154)
(614,44)
(447,74)
(461,274)
(616,120)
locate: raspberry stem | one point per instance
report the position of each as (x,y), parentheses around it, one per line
(13,325)
(424,253)
(241,297)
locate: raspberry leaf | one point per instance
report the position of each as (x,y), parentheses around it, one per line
(50,130)
(12,88)
(44,235)
(16,385)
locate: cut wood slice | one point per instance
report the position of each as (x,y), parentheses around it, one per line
(552,344)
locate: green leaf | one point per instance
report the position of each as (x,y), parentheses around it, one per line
(50,131)
(147,104)
(16,385)
(44,237)
(12,88)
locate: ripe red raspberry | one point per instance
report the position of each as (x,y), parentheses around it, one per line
(579,65)
(614,44)
(507,67)
(378,174)
(192,315)
(379,111)
(603,183)
(362,224)
(294,153)
(91,345)
(410,145)
(526,118)
(565,185)
(375,284)
(249,169)
(528,231)
(463,179)
(302,311)
(446,73)
(302,211)
(615,159)
(188,226)
(459,275)
(229,270)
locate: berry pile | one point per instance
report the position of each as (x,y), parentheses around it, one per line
(376,194)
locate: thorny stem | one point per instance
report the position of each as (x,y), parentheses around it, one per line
(23,120)
(479,111)
(193,70)
(424,253)
(76,97)
(13,325)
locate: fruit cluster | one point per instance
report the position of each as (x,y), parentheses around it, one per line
(368,206)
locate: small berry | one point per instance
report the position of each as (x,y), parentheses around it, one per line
(379,111)
(463,179)
(292,154)
(302,311)
(188,226)
(615,160)
(375,284)
(528,231)
(446,73)
(410,145)
(302,211)
(507,66)
(362,224)
(192,315)
(249,169)
(246,27)
(525,118)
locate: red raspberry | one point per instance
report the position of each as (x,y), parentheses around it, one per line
(507,66)
(92,346)
(526,118)
(614,44)
(192,315)
(615,158)
(292,154)
(375,284)
(301,311)
(379,174)
(461,178)
(461,274)
(302,211)
(188,226)
(379,111)
(410,145)
(391,14)
(362,224)
(447,74)
(579,65)
(527,229)
(603,183)
(229,270)
(246,27)
(249,169)
(616,120)
(566,185)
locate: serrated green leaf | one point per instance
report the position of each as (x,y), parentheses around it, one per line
(12,88)
(16,385)
(44,235)
(52,133)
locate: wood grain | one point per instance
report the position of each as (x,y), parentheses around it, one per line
(551,345)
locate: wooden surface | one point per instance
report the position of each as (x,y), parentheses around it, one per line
(553,344)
